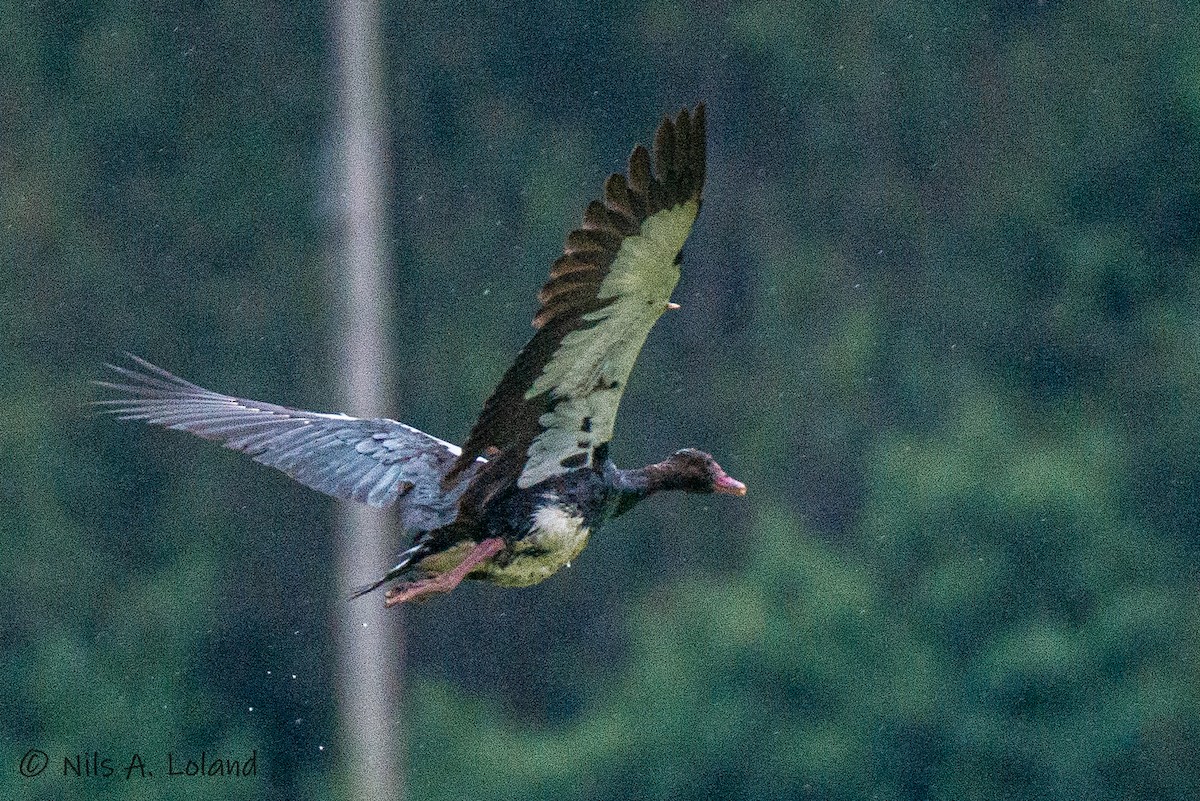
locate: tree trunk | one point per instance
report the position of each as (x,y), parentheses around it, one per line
(369,636)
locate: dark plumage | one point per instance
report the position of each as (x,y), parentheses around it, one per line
(519,500)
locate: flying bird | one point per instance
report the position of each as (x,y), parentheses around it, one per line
(518,501)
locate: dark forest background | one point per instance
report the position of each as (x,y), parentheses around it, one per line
(941,313)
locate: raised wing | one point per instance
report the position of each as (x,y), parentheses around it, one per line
(555,407)
(378,462)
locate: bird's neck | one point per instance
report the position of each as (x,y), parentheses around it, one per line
(628,487)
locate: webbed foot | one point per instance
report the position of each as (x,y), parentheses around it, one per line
(436,585)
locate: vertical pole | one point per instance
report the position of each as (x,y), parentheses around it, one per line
(370,642)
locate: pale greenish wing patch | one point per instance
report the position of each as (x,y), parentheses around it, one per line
(589,369)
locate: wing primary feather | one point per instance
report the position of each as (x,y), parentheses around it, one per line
(617,198)
(639,172)
(573,266)
(664,151)
(699,142)
(681,154)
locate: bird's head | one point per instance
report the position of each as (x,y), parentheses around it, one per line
(693,470)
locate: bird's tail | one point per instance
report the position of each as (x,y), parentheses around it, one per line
(407,559)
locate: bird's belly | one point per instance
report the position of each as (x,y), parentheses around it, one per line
(556,537)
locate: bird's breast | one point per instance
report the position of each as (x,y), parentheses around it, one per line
(556,535)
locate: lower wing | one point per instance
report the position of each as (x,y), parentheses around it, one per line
(379,462)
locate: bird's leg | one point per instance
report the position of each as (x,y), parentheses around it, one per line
(418,590)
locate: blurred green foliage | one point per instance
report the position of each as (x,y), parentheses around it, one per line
(939,312)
